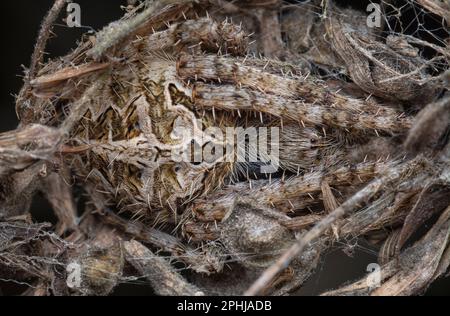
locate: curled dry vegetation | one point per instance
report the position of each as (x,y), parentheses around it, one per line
(364,149)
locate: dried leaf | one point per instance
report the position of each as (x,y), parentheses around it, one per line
(431,124)
(388,250)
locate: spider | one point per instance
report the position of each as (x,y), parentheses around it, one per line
(117,108)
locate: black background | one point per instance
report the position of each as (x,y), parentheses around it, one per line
(20,21)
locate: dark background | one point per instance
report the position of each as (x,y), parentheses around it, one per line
(20,22)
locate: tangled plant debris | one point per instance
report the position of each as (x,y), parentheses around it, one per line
(363,115)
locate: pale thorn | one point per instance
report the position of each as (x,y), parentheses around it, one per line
(303,123)
(160,199)
(307,76)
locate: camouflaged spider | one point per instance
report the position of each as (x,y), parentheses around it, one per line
(113,108)
(128,110)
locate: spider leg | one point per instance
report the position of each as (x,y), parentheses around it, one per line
(295,99)
(24,112)
(203,33)
(286,196)
(391,176)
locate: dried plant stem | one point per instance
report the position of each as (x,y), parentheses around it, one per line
(196,259)
(38,55)
(299,99)
(43,37)
(163,278)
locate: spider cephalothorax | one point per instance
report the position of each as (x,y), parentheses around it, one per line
(129,139)
(134,136)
